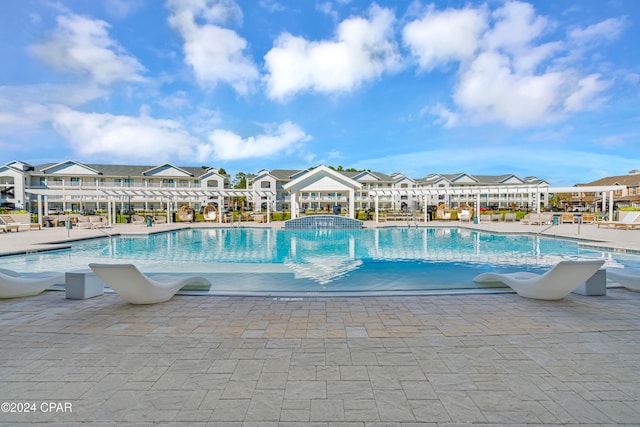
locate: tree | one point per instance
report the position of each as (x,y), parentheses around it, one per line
(221,171)
(240,180)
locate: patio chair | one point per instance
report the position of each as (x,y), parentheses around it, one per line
(563,278)
(159,219)
(15,285)
(138,220)
(627,277)
(7,224)
(138,288)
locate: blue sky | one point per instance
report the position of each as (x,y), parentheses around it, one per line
(542,88)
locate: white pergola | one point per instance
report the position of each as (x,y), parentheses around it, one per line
(533,192)
(115,196)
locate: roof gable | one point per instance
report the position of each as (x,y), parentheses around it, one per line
(511,179)
(366,176)
(464,178)
(322,179)
(70,167)
(167,170)
(22,166)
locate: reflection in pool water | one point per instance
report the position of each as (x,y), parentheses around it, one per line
(268,260)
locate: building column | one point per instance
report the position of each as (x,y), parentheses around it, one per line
(425,208)
(477,207)
(611,205)
(376,202)
(352,204)
(39,200)
(294,205)
(268,209)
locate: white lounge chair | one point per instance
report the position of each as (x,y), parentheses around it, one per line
(7,224)
(556,283)
(627,277)
(15,285)
(138,288)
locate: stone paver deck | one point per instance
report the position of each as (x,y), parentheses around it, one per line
(438,360)
(390,361)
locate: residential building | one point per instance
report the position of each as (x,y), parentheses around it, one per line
(75,186)
(495,197)
(627,192)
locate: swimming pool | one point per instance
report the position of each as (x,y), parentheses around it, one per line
(249,260)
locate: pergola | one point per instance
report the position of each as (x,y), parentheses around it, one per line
(533,192)
(113,196)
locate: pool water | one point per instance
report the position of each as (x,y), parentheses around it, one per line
(270,261)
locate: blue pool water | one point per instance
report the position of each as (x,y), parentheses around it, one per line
(378,260)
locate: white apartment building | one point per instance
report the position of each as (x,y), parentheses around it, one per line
(75,186)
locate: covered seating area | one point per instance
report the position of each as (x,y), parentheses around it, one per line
(474,196)
(172,199)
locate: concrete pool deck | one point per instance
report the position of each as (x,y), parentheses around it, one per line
(386,361)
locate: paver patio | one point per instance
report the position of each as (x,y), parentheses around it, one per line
(446,360)
(422,360)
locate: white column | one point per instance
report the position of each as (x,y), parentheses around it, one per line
(294,205)
(39,201)
(611,205)
(268,209)
(376,202)
(352,203)
(168,211)
(477,207)
(425,208)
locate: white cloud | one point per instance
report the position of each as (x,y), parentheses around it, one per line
(609,29)
(363,49)
(440,37)
(445,117)
(272,6)
(123,138)
(504,73)
(84,46)
(216,54)
(516,27)
(227,145)
(587,94)
(175,100)
(489,90)
(120,9)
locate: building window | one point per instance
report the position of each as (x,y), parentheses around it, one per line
(212,184)
(265,184)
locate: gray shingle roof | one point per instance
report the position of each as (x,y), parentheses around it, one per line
(124,170)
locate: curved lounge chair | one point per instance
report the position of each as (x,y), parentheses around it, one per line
(138,288)
(556,283)
(15,285)
(627,277)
